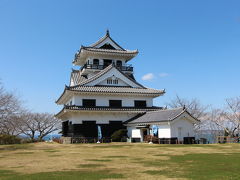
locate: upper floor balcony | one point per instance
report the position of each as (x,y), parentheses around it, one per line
(126,67)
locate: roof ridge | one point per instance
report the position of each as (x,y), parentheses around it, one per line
(131,79)
(161,116)
(172,109)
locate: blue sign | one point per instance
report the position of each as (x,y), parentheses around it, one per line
(155,130)
(99,132)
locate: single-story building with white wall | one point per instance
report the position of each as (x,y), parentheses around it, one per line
(175,123)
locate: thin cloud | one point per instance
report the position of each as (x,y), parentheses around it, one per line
(148,77)
(163,75)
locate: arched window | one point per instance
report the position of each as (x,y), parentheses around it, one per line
(96,61)
(119,63)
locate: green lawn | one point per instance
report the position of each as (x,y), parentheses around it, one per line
(51,161)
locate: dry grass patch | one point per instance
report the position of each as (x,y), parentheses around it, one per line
(144,161)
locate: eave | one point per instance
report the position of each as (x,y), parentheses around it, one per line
(170,120)
(68,93)
(77,109)
(86,52)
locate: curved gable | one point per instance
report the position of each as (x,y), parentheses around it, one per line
(108,42)
(114,73)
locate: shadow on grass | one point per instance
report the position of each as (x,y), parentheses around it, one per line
(51,150)
(120,157)
(61,175)
(99,160)
(15,147)
(198,166)
(90,165)
(27,152)
(112,146)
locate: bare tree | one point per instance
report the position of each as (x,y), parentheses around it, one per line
(39,124)
(46,124)
(232,114)
(196,109)
(227,119)
(193,106)
(10,109)
(28,125)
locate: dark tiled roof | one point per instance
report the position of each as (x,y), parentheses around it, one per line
(109,50)
(93,48)
(76,78)
(159,116)
(103,108)
(110,89)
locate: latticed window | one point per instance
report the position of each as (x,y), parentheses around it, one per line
(109,81)
(112,81)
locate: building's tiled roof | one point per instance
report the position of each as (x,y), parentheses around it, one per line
(81,86)
(109,50)
(76,78)
(111,89)
(81,54)
(160,116)
(103,108)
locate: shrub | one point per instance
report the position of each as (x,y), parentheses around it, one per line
(119,135)
(9,139)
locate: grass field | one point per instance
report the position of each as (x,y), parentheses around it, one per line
(51,161)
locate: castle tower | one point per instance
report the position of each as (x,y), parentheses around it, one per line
(103,91)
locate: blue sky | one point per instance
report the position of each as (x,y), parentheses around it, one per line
(190,48)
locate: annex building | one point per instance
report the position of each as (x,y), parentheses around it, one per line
(103,92)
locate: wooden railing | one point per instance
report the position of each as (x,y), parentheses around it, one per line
(74,107)
(101,67)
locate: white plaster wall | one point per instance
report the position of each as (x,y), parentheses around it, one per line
(99,117)
(102,100)
(136,133)
(164,131)
(187,128)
